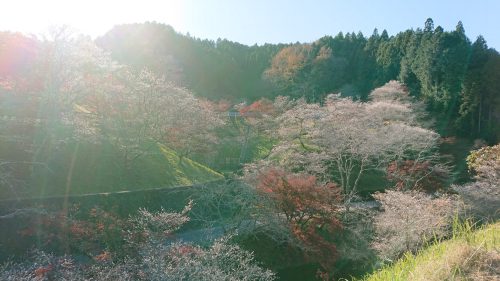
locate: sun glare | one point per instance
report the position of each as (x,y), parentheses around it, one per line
(90,17)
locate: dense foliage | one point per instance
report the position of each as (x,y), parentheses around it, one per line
(456,78)
(214,69)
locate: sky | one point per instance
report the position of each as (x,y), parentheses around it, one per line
(256,21)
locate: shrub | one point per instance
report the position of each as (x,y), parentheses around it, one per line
(482,197)
(408,219)
(481,200)
(485,163)
(221,261)
(149,256)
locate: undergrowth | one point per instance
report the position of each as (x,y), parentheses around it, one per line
(471,254)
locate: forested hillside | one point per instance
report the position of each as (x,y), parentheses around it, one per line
(457,78)
(216,70)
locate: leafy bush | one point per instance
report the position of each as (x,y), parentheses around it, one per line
(485,163)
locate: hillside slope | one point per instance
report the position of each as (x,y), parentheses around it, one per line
(87,168)
(470,255)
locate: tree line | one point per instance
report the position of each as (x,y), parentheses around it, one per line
(457,78)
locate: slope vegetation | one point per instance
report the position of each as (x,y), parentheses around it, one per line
(89,168)
(469,255)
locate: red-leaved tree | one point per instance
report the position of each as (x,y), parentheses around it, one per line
(411,174)
(310,208)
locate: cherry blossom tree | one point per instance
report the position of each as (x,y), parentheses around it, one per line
(409,219)
(141,109)
(101,100)
(154,259)
(342,139)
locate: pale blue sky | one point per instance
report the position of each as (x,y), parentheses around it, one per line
(257,21)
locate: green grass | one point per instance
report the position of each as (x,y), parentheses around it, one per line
(187,171)
(88,168)
(468,255)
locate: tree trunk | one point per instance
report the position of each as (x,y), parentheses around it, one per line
(479,115)
(244,146)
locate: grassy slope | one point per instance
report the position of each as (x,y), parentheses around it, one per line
(470,255)
(98,168)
